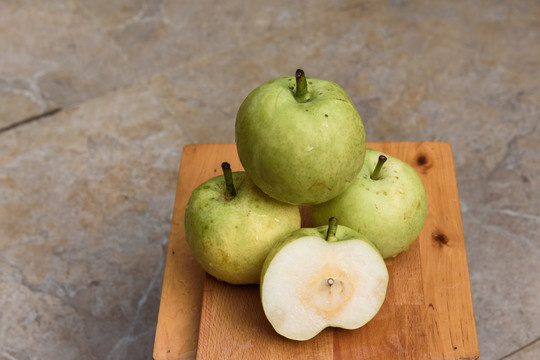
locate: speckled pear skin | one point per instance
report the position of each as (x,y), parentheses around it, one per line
(300,152)
(390,211)
(231,238)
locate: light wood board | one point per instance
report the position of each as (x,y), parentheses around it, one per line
(427,313)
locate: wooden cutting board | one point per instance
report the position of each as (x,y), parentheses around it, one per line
(427,314)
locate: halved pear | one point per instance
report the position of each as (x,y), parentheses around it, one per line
(330,276)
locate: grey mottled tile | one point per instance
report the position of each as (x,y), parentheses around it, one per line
(86,203)
(530,351)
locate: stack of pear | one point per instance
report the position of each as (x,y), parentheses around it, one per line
(301,141)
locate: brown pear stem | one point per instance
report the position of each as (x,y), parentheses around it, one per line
(230,191)
(302,94)
(332,228)
(378,167)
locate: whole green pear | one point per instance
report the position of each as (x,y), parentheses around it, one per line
(231,225)
(386,202)
(301,140)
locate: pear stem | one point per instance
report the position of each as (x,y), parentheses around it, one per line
(332,228)
(230,191)
(302,94)
(378,167)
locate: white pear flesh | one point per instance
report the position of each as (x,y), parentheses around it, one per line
(311,284)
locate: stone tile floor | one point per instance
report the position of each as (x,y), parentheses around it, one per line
(97,99)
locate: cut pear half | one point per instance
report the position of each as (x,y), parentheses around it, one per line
(311,283)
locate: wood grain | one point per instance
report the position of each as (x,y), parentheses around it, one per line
(427,313)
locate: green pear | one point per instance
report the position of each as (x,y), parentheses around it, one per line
(301,140)
(231,225)
(386,203)
(330,276)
